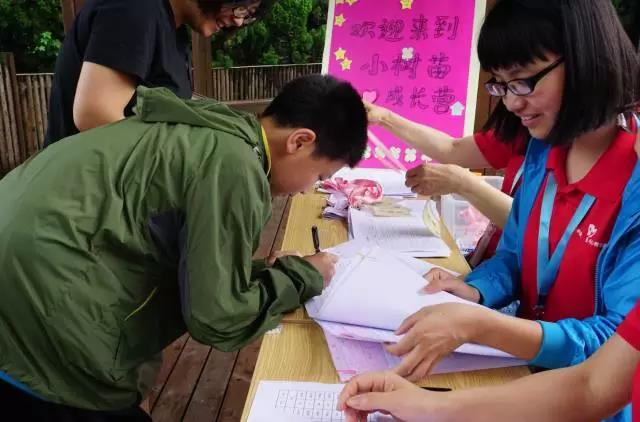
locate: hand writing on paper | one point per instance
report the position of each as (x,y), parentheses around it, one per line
(385,392)
(433,333)
(325,263)
(437,179)
(376,114)
(271,259)
(439,280)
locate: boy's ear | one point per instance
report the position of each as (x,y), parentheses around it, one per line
(300,139)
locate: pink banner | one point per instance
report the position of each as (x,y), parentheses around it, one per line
(410,56)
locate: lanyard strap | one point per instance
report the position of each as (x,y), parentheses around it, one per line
(516,179)
(548,268)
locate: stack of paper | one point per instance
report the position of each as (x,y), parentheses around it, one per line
(372,292)
(407,235)
(354,357)
(392,181)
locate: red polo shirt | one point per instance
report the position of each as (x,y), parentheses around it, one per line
(572,294)
(630,331)
(500,155)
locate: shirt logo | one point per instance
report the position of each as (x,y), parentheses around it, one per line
(592,230)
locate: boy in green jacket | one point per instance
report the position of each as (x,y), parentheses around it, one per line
(116,241)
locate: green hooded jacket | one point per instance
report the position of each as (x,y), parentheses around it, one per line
(116,241)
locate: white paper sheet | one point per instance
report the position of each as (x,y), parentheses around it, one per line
(375,290)
(299,402)
(372,292)
(407,235)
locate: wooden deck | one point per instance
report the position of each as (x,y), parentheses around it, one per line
(199,383)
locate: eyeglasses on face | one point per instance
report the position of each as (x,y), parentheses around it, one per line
(519,87)
(242,12)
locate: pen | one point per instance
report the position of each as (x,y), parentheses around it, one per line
(316,239)
(436,388)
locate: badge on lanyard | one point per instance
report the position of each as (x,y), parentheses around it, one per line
(547,269)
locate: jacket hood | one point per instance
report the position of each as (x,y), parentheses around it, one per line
(156,105)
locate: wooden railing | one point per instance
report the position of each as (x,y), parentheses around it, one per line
(34,90)
(256,82)
(12,151)
(24,101)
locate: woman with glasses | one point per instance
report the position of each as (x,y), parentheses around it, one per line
(570,251)
(116,45)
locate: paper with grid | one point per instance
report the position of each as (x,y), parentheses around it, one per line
(299,402)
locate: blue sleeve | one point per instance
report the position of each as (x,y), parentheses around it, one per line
(571,341)
(498,278)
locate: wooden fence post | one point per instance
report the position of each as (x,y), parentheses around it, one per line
(70,9)
(485,103)
(202,62)
(12,152)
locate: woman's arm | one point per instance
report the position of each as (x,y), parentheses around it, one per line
(592,391)
(102,94)
(431,142)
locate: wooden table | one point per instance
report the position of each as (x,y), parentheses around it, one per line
(299,351)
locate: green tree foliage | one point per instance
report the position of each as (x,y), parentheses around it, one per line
(629,11)
(32,30)
(292,33)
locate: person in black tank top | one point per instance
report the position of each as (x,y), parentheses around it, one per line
(116,45)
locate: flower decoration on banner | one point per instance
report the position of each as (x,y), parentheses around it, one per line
(407,53)
(380,153)
(340,54)
(340,20)
(346,64)
(351,2)
(395,151)
(409,155)
(367,153)
(406,4)
(339,1)
(370,96)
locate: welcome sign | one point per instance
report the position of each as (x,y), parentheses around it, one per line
(415,57)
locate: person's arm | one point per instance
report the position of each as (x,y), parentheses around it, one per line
(101,96)
(442,179)
(228,299)
(592,391)
(431,142)
(119,54)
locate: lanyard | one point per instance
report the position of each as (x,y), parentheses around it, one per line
(516,179)
(548,268)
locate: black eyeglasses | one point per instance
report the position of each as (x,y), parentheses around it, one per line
(243,12)
(519,87)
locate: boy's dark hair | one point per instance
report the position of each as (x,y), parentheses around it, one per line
(331,108)
(601,65)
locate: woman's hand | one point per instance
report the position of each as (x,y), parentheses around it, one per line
(376,114)
(439,280)
(385,392)
(432,334)
(438,179)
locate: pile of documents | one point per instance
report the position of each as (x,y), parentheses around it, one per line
(373,291)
